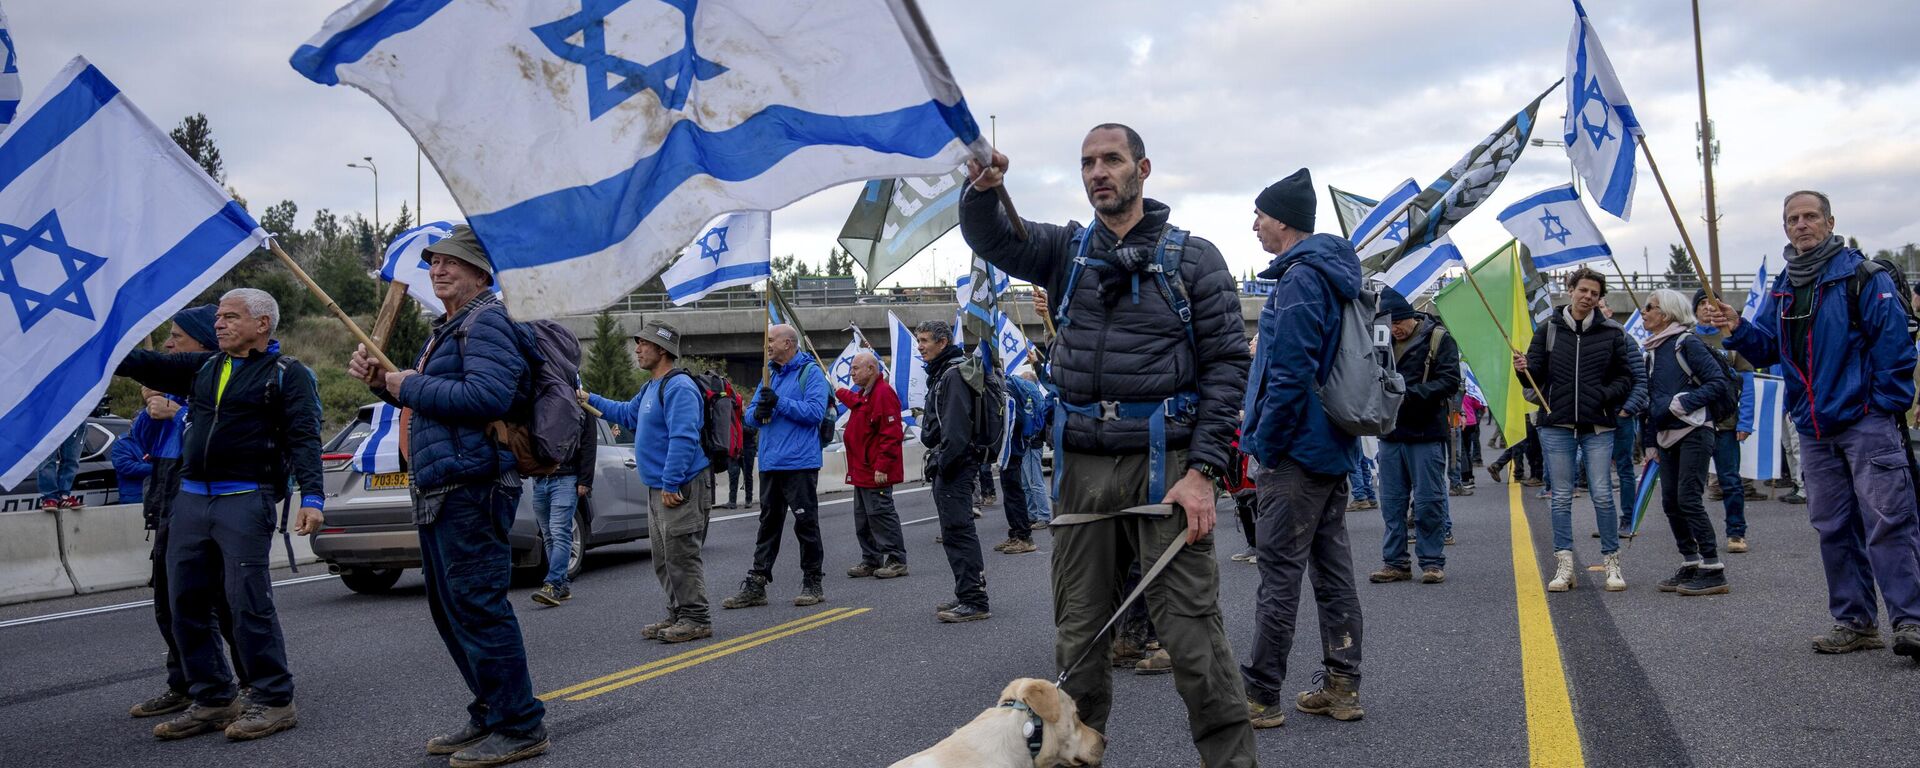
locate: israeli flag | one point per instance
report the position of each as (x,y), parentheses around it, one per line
(406,262)
(1469,384)
(106,230)
(380,453)
(1556,228)
(1010,344)
(840,375)
(588,140)
(733,250)
(1416,271)
(1602,134)
(908,371)
(1392,229)
(1636,328)
(1756,292)
(1760,452)
(9,74)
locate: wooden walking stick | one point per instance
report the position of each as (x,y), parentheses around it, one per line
(389,311)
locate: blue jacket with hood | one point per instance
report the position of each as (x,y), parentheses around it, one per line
(792,439)
(1299,332)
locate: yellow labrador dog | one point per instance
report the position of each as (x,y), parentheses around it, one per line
(1035,725)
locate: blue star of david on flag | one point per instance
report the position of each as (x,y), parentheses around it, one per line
(1601,132)
(45,236)
(1598,134)
(713,243)
(611,80)
(1550,222)
(1396,232)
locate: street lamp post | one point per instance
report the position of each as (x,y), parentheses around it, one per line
(376,188)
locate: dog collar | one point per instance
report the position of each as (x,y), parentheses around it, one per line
(1034,729)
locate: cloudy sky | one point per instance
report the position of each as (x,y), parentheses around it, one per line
(1228,95)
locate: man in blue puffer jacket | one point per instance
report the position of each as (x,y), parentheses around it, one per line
(472,372)
(786,410)
(1849,363)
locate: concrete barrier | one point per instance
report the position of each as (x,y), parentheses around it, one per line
(833,467)
(302,550)
(30,567)
(106,547)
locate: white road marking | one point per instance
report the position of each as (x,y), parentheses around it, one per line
(847,500)
(124,606)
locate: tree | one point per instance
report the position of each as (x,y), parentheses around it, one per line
(607,369)
(839,263)
(1680,267)
(787,271)
(196,139)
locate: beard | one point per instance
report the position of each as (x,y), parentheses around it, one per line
(1126,192)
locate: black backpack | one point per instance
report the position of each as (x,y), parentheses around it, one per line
(1863,274)
(719,415)
(1728,405)
(989,407)
(549,432)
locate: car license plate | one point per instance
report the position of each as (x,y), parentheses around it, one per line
(387,481)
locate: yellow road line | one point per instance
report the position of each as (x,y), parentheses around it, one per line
(689,654)
(1552,738)
(758,641)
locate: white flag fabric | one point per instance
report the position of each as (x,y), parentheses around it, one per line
(405,262)
(1602,133)
(1556,228)
(584,171)
(106,230)
(840,375)
(380,453)
(1377,218)
(1636,327)
(908,371)
(1422,268)
(9,74)
(1010,346)
(1756,292)
(1469,385)
(1760,452)
(732,250)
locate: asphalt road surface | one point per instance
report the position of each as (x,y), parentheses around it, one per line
(1484,670)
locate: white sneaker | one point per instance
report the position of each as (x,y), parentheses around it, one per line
(1616,582)
(1563,575)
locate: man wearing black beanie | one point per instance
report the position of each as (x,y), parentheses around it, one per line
(1150,362)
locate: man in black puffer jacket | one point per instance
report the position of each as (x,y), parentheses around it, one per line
(1413,457)
(1151,399)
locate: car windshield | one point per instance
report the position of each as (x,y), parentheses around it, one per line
(349,439)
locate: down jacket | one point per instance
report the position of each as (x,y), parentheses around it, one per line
(1132,350)
(1592,374)
(467,379)
(1299,333)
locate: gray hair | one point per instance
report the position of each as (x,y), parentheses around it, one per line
(867,354)
(937,328)
(1674,305)
(259,303)
(1826,206)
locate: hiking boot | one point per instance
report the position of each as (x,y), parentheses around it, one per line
(1002,546)
(163,704)
(449,743)
(1337,698)
(1156,663)
(1616,581)
(1448,541)
(1042,524)
(551,595)
(753,591)
(1708,581)
(1493,471)
(860,571)
(1564,577)
(1845,639)
(1244,557)
(1685,574)
(1736,544)
(652,631)
(1020,547)
(811,592)
(685,630)
(963,612)
(198,719)
(1533,482)
(892,570)
(259,721)
(500,749)
(1388,574)
(1906,640)
(1793,498)
(1126,652)
(988,499)
(1432,576)
(1265,715)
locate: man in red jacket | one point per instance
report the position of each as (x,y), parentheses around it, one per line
(873,438)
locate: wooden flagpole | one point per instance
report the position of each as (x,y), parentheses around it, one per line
(389,311)
(338,313)
(1713,291)
(937,71)
(1526,372)
(1623,281)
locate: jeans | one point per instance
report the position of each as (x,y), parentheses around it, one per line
(953,500)
(1860,499)
(467,561)
(1414,474)
(1034,478)
(1361,480)
(782,490)
(554,502)
(218,548)
(1302,528)
(1733,490)
(1557,446)
(55,476)
(1683,485)
(1013,498)
(736,468)
(1624,446)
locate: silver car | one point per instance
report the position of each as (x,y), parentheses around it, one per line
(369,538)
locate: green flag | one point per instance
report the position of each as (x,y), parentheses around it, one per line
(1502,279)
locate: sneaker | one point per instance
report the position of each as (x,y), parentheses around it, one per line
(1793,498)
(1844,639)
(651,632)
(500,749)
(811,592)
(1389,574)
(753,592)
(1042,524)
(1243,557)
(1616,580)
(49,505)
(1685,574)
(939,539)
(960,613)
(1156,663)
(977,514)
(1265,715)
(1708,581)
(892,570)
(685,630)
(259,721)
(72,502)
(1906,640)
(1533,482)
(1002,546)
(163,704)
(1337,698)
(1564,577)
(1448,541)
(551,595)
(860,571)
(449,743)
(1737,544)
(1432,576)
(1020,547)
(1455,490)
(198,719)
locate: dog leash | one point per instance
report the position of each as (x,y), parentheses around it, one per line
(1179,540)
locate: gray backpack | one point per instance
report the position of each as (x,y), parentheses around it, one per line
(1362,392)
